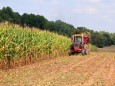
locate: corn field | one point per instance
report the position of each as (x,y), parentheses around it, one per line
(20,46)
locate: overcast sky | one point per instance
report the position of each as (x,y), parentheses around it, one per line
(98,15)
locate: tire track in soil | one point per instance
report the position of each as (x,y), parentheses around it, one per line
(72,66)
(89,70)
(94,75)
(91,67)
(84,65)
(69,67)
(49,69)
(110,80)
(65,68)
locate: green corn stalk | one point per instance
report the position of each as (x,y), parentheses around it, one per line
(18,42)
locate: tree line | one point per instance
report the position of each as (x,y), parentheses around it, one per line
(100,39)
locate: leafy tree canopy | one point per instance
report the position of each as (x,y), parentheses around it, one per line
(100,39)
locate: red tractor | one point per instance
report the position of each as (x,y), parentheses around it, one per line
(80,43)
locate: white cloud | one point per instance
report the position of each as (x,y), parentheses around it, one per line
(91,10)
(105,18)
(36,1)
(79,11)
(47,1)
(94,1)
(86,10)
(112,12)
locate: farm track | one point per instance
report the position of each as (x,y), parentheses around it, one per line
(96,69)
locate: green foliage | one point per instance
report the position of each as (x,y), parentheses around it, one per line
(112,36)
(32,20)
(17,19)
(61,28)
(93,48)
(0,19)
(18,43)
(100,39)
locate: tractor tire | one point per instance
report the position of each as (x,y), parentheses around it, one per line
(87,50)
(71,48)
(83,52)
(69,53)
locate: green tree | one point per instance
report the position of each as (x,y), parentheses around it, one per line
(42,22)
(100,39)
(17,18)
(24,19)
(113,38)
(0,19)
(7,14)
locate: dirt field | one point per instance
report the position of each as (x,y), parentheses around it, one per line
(96,69)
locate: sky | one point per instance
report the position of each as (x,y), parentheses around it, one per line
(97,15)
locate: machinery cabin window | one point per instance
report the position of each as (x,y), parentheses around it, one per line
(77,39)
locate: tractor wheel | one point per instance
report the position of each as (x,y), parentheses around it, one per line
(71,48)
(83,52)
(70,53)
(86,51)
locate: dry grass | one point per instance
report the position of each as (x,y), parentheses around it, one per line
(107,49)
(96,69)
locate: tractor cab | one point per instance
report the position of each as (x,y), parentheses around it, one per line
(77,39)
(80,43)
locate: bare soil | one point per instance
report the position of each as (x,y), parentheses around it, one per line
(96,69)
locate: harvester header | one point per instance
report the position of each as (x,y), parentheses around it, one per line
(82,33)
